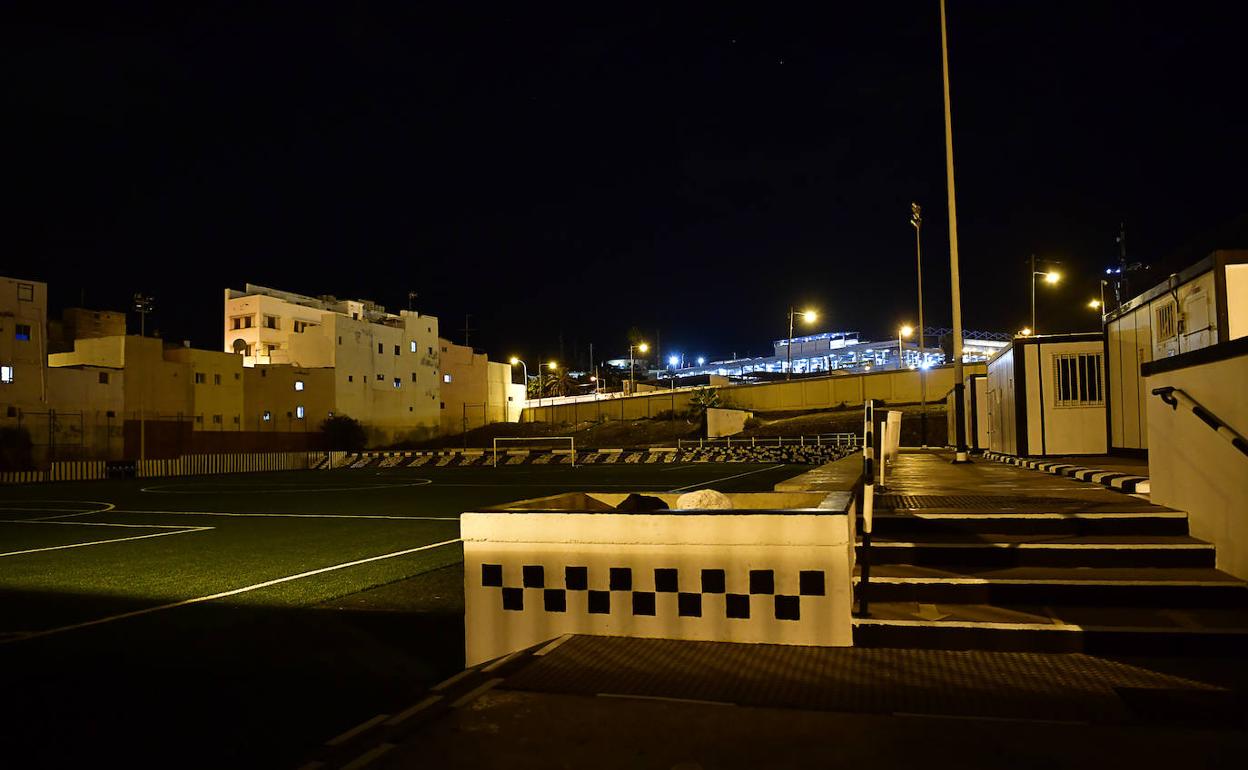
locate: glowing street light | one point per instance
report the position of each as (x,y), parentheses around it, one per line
(701,360)
(905,331)
(640,347)
(673,360)
(809,316)
(1025,332)
(1095,304)
(1051,277)
(515,360)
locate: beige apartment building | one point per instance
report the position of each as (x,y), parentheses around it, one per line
(385,365)
(475,390)
(23,348)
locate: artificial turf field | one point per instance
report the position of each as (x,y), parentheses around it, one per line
(237,620)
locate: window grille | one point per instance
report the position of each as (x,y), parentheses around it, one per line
(1078,379)
(1165,321)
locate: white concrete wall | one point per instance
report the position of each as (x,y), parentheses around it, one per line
(1237,301)
(725,422)
(1067,429)
(1192,469)
(1002,427)
(689,542)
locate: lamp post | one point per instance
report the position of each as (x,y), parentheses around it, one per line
(960,450)
(916,220)
(809,316)
(905,331)
(640,347)
(515,360)
(143,305)
(1051,277)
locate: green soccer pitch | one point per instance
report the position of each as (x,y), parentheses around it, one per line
(262,607)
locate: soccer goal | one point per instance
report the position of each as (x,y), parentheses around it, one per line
(556,445)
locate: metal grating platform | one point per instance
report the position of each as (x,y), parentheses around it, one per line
(978,502)
(1064,687)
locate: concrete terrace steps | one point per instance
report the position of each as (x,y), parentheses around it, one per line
(920,523)
(1054,628)
(1041,550)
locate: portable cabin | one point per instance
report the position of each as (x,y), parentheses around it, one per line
(1195,308)
(976,415)
(1045,395)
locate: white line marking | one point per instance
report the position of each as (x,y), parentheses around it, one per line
(100,524)
(551,647)
(726,478)
(993,625)
(240,489)
(894,580)
(354,731)
(502,661)
(367,757)
(1081,546)
(468,697)
(233,592)
(294,515)
(665,699)
(183,531)
(445,683)
(410,711)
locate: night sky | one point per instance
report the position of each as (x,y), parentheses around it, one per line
(571,172)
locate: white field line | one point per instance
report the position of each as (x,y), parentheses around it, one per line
(294,515)
(726,478)
(105,507)
(227,489)
(224,594)
(183,531)
(1062,627)
(100,524)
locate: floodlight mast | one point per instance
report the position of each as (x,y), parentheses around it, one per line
(961,455)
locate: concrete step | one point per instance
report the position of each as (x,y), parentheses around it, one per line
(896,525)
(1003,550)
(1054,628)
(1103,586)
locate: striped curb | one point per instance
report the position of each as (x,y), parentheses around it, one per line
(1121,482)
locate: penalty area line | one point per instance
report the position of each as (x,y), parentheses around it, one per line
(183,531)
(224,594)
(726,478)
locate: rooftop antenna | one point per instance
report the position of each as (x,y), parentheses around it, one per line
(411,297)
(467,330)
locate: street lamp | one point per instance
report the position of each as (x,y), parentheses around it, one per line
(143,304)
(640,347)
(1051,277)
(1025,331)
(916,221)
(701,360)
(905,331)
(514,361)
(809,316)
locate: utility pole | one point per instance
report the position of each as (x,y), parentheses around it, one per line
(411,297)
(467,330)
(916,219)
(143,305)
(960,452)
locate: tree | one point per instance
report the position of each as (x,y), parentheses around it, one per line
(15,449)
(344,433)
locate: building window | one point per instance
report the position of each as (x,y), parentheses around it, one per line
(21,333)
(1077,379)
(216,419)
(267,416)
(264,372)
(446,378)
(270,322)
(340,340)
(25,292)
(300,326)
(381,348)
(398,383)
(431,350)
(441,404)
(298,384)
(103,378)
(298,412)
(381,377)
(110,414)
(199,378)
(6,374)
(237,376)
(413,344)
(199,419)
(413,376)
(1165,322)
(444,350)
(350,378)
(216,379)
(396,350)
(355,316)
(236,419)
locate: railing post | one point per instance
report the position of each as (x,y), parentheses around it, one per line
(868,507)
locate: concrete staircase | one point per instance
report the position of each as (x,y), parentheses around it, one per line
(1110,578)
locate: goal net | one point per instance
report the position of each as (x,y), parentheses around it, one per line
(517,447)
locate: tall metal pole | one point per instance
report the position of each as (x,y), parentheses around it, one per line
(1033,294)
(916,219)
(960,451)
(788,349)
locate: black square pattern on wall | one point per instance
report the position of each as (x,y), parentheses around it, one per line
(599,602)
(492,575)
(555,600)
(643,602)
(762,581)
(621,579)
(788,607)
(689,605)
(534,576)
(513,599)
(810,582)
(712,581)
(576,578)
(738,606)
(666,581)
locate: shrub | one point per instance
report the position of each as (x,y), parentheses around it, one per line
(15,449)
(344,433)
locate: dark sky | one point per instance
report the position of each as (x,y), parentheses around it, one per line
(579,170)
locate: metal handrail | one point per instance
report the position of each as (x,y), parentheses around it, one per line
(1175,396)
(819,439)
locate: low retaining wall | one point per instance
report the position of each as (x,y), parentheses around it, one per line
(774,569)
(187,465)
